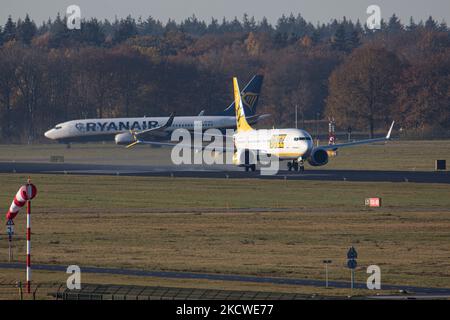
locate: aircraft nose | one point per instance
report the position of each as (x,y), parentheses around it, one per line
(49,134)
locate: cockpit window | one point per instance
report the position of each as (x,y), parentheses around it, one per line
(302,138)
(58,127)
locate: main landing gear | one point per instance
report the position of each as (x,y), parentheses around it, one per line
(251,167)
(296,165)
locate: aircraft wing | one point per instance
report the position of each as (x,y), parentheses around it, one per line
(181,145)
(360,142)
(154,132)
(255,118)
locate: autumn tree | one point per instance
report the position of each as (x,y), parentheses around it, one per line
(423,93)
(9,60)
(361,89)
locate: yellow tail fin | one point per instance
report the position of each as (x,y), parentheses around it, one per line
(241,121)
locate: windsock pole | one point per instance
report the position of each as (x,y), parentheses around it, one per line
(10,253)
(25,194)
(29,193)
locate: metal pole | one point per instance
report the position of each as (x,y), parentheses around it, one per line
(29,191)
(20,290)
(296,122)
(10,253)
(326,275)
(352,278)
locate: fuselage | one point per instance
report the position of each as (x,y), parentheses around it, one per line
(104,129)
(286,144)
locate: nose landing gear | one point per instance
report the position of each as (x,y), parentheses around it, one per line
(251,167)
(296,165)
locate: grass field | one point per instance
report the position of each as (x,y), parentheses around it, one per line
(395,155)
(272,228)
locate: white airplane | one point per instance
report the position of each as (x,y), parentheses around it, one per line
(124,130)
(293,145)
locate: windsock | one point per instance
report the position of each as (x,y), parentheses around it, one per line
(19,201)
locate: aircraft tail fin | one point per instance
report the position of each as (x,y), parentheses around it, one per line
(241,121)
(250,97)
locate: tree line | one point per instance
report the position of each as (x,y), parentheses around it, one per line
(363,78)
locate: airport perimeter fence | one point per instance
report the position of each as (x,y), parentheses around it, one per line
(11,290)
(128,292)
(16,290)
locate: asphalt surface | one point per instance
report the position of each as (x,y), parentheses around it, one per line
(229,277)
(225,172)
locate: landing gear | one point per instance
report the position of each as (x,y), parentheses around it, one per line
(251,167)
(296,165)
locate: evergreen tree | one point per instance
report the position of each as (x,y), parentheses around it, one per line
(59,34)
(9,31)
(315,37)
(92,33)
(443,26)
(394,24)
(26,30)
(248,24)
(412,25)
(430,24)
(171,26)
(213,26)
(264,26)
(235,25)
(339,39)
(353,40)
(126,28)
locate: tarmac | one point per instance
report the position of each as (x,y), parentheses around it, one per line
(423,291)
(224,172)
(232,172)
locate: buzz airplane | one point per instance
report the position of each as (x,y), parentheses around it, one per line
(124,130)
(292,145)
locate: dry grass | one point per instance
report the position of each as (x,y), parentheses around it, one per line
(207,225)
(395,155)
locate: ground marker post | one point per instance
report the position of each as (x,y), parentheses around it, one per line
(326,262)
(10,231)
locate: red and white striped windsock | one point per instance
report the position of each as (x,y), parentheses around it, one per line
(19,201)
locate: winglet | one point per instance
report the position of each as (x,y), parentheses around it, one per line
(388,136)
(170,120)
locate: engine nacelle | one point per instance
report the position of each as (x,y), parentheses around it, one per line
(319,157)
(124,138)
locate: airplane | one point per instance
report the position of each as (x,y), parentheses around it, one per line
(123,130)
(293,145)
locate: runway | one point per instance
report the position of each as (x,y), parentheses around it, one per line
(216,171)
(229,277)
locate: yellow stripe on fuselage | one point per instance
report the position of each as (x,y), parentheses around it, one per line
(288,154)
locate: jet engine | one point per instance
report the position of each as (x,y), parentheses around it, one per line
(319,157)
(124,138)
